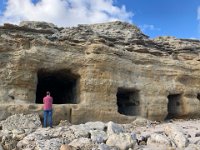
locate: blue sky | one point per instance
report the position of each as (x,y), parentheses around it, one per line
(169,17)
(179,18)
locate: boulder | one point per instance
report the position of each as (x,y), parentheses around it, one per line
(66,147)
(38,25)
(192,147)
(113,128)
(197,142)
(51,144)
(103,146)
(8,142)
(140,121)
(159,139)
(82,143)
(43,138)
(98,136)
(80,130)
(177,135)
(19,122)
(122,140)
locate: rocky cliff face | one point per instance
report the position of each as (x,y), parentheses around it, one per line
(109,71)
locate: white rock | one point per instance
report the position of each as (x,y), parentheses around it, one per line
(197,142)
(6,132)
(177,135)
(66,147)
(68,136)
(18,131)
(121,140)
(159,139)
(98,136)
(20,121)
(18,136)
(140,121)
(37,25)
(192,147)
(52,144)
(80,130)
(80,142)
(113,128)
(30,137)
(103,146)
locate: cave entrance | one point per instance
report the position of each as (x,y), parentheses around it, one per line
(173,106)
(198,96)
(62,85)
(128,101)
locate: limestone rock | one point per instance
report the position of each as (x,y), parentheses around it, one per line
(103,146)
(197,142)
(18,122)
(82,143)
(38,25)
(51,144)
(140,121)
(8,141)
(192,147)
(35,24)
(80,130)
(123,141)
(167,136)
(177,135)
(98,136)
(64,123)
(68,135)
(113,128)
(159,139)
(66,147)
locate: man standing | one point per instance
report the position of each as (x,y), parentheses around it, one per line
(47,107)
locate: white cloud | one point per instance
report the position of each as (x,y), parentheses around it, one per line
(193,38)
(64,12)
(198,18)
(149,27)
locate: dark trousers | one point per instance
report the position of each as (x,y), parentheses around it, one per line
(48,117)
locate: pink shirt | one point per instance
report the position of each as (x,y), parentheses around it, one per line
(47,100)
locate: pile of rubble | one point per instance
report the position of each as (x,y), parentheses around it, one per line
(25,132)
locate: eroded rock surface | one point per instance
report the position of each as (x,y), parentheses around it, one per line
(109,71)
(21,122)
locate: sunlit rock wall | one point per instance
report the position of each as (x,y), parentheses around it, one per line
(120,73)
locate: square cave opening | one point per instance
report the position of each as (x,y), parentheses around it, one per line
(173,107)
(62,85)
(128,101)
